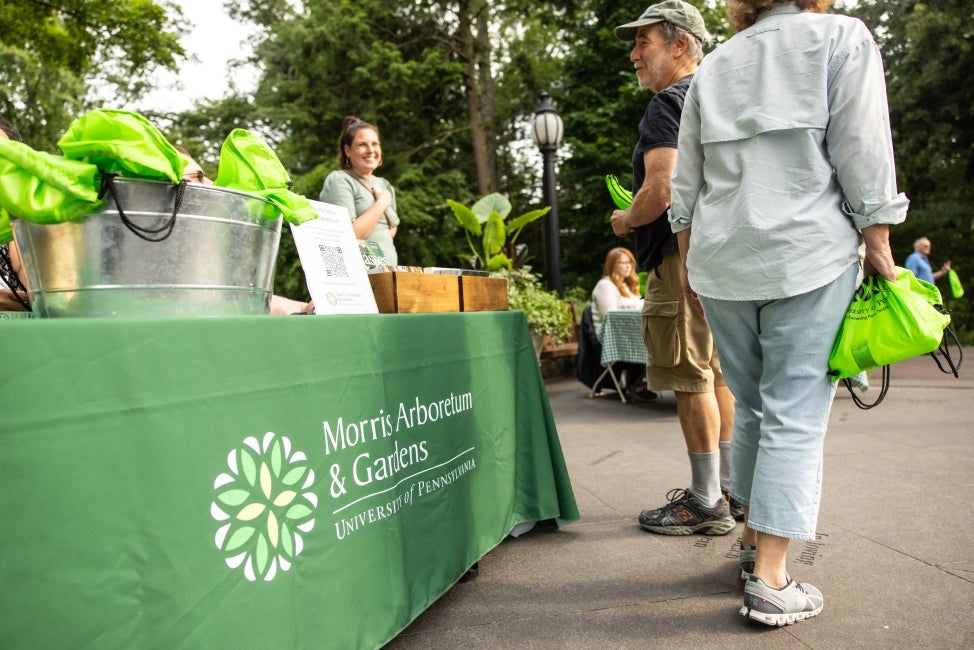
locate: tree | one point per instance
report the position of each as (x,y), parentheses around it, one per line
(58,60)
(928,51)
(425,73)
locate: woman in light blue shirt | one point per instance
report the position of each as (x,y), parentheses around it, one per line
(785,160)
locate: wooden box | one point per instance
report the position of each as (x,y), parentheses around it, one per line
(400,292)
(482,294)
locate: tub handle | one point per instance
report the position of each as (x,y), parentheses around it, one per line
(148,234)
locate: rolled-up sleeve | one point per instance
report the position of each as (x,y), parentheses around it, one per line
(687,178)
(858,137)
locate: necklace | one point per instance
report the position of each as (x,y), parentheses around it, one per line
(362,179)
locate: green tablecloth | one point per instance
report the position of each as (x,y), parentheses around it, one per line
(272,482)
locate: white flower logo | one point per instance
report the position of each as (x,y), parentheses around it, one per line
(266,501)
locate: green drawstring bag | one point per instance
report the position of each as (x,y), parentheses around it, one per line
(43,188)
(956,289)
(888,322)
(123,143)
(248,164)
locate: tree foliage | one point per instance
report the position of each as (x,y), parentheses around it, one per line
(57,60)
(928,51)
(452,86)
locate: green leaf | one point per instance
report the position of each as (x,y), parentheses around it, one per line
(294,475)
(287,541)
(297,511)
(519,222)
(495,234)
(239,538)
(498,262)
(277,456)
(248,466)
(465,216)
(262,555)
(233,497)
(495,202)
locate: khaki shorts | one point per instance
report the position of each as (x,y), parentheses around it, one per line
(680,349)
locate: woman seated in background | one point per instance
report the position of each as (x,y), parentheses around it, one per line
(619,289)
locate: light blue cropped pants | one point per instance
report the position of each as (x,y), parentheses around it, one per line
(774,354)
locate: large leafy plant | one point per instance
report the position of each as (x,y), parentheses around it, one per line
(548,315)
(490,237)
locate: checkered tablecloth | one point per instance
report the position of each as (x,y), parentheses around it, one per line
(622,337)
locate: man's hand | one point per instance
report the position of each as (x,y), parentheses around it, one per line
(619,225)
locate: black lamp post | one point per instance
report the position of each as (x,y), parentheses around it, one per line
(547,130)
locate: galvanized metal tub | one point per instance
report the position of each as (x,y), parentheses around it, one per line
(218,259)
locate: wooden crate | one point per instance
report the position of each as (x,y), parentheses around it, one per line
(400,292)
(478,293)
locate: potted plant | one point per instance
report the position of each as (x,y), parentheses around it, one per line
(491,238)
(549,317)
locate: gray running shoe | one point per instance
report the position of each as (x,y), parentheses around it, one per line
(685,515)
(736,509)
(746,558)
(792,603)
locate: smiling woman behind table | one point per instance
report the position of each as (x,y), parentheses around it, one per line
(370,200)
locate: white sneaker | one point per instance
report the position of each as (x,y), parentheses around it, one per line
(792,603)
(746,559)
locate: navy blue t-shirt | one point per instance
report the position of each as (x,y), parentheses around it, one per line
(660,127)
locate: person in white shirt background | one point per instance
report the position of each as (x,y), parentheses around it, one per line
(618,288)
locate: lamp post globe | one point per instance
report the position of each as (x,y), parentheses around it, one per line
(547,130)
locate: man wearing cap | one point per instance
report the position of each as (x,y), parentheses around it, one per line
(668,45)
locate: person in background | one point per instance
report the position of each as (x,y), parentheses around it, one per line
(618,289)
(280,306)
(370,200)
(192,171)
(619,286)
(13,287)
(786,160)
(919,262)
(668,45)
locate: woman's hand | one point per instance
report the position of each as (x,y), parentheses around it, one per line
(879,256)
(383,197)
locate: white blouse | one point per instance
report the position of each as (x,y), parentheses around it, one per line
(607,297)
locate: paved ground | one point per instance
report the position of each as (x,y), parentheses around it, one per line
(894,558)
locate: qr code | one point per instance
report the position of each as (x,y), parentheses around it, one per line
(334,261)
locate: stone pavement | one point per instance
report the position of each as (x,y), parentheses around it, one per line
(894,558)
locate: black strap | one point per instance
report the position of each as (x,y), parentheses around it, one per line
(148,234)
(10,277)
(884,388)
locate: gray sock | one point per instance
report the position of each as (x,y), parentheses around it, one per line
(705,477)
(724,447)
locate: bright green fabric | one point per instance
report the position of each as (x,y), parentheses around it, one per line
(956,288)
(44,188)
(124,143)
(888,322)
(248,164)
